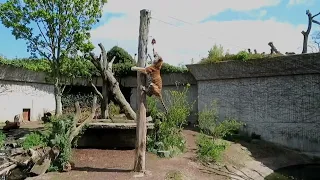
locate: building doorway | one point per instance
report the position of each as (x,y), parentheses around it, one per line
(26,114)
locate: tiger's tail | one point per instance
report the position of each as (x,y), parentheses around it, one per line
(161,99)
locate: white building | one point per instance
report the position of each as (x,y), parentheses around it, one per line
(24,92)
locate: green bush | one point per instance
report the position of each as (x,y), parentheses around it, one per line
(82,67)
(57,134)
(2,139)
(209,143)
(209,123)
(209,149)
(167,134)
(34,139)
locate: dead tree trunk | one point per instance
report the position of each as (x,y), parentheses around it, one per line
(141,130)
(306,33)
(273,48)
(110,85)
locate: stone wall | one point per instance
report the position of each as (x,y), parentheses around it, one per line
(278,98)
(22,89)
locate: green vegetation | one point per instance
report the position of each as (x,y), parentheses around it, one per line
(2,139)
(209,149)
(33,139)
(167,133)
(209,141)
(216,54)
(80,67)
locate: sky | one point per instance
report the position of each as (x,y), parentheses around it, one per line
(187,29)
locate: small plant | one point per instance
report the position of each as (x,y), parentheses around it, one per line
(209,149)
(2,139)
(209,123)
(210,145)
(242,56)
(114,109)
(34,139)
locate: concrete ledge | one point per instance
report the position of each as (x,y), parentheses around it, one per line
(101,125)
(276,66)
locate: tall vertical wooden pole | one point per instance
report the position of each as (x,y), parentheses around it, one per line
(141,129)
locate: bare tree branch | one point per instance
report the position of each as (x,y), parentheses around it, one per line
(111,63)
(316,15)
(317,22)
(86,121)
(96,90)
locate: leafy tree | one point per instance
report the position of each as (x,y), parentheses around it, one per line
(122,56)
(53,29)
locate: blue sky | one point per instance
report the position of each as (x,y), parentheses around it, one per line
(290,16)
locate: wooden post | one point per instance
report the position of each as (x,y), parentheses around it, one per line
(141,129)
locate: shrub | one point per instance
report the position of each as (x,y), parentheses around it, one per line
(33,139)
(114,109)
(57,134)
(209,123)
(209,149)
(167,134)
(2,139)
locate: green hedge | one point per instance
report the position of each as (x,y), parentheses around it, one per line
(82,67)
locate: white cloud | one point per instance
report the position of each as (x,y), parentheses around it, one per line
(181,44)
(298,2)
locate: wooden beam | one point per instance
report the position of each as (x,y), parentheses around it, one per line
(141,130)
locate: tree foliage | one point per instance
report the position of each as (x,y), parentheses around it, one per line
(55,30)
(79,67)
(122,56)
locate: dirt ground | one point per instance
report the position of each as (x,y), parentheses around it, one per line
(241,160)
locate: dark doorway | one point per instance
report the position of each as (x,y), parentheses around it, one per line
(26,114)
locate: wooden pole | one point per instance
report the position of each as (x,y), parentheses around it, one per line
(141,129)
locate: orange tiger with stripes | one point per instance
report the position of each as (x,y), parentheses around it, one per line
(153,72)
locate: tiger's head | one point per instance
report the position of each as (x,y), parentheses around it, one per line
(157,62)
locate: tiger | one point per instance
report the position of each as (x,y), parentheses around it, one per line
(154,78)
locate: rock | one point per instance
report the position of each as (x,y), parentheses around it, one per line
(149,119)
(17,118)
(165,154)
(41,166)
(16,151)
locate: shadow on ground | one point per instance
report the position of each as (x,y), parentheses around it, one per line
(91,169)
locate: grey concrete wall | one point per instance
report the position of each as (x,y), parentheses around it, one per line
(278,98)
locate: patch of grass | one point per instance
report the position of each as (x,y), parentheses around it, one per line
(2,139)
(33,139)
(209,142)
(174,175)
(209,149)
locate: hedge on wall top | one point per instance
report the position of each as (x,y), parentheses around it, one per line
(78,67)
